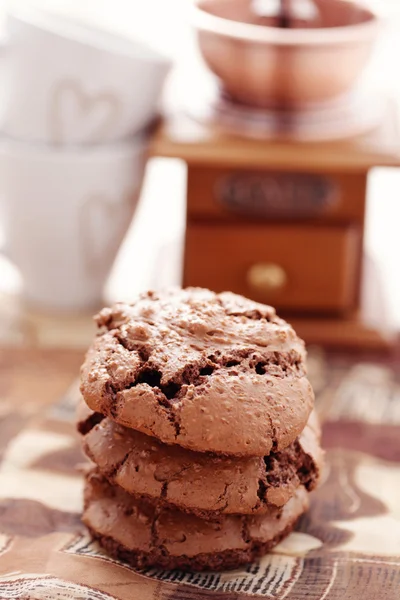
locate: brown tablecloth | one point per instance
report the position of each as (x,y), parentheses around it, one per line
(346,547)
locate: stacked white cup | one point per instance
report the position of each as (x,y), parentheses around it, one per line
(74,107)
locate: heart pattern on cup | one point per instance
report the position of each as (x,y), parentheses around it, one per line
(72,109)
(103,223)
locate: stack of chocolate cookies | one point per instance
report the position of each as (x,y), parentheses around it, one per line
(200,428)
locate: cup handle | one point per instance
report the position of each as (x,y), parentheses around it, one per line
(4,249)
(4,41)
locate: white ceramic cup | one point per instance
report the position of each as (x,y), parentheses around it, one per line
(66,83)
(64,214)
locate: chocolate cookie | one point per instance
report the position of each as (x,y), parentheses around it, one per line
(86,418)
(210,372)
(200,483)
(143,534)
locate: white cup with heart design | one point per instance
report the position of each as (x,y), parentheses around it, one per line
(66,83)
(65,213)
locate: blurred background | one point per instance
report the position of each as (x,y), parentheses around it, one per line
(244,145)
(151,253)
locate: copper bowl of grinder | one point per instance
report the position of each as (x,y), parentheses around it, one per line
(276,61)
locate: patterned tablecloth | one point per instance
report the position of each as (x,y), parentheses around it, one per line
(346,547)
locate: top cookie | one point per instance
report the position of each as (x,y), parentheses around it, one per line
(210,372)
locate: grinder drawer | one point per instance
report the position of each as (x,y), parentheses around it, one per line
(290,266)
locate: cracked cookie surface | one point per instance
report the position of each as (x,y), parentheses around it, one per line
(203,484)
(145,534)
(209,372)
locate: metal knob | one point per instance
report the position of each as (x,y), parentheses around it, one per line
(266,277)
